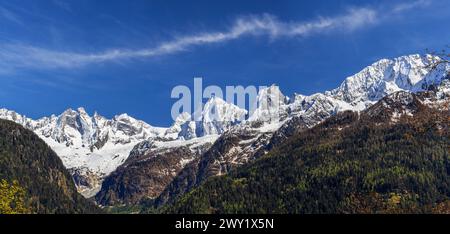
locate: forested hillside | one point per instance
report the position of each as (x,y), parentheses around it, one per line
(33,178)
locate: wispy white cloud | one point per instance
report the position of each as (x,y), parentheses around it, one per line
(19,55)
(10,16)
(410,5)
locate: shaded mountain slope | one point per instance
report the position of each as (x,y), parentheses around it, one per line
(145,175)
(49,187)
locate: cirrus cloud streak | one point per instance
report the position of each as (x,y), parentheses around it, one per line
(27,56)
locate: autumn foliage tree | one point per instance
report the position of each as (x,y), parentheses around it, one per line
(12,198)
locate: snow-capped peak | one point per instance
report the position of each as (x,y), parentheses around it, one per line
(89,144)
(15,117)
(79,129)
(408,73)
(217,110)
(215,117)
(271,105)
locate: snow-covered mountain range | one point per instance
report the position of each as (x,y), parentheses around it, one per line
(411,73)
(92,147)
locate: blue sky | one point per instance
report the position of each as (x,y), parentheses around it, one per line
(126,56)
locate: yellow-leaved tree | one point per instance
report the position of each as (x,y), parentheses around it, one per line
(12,198)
